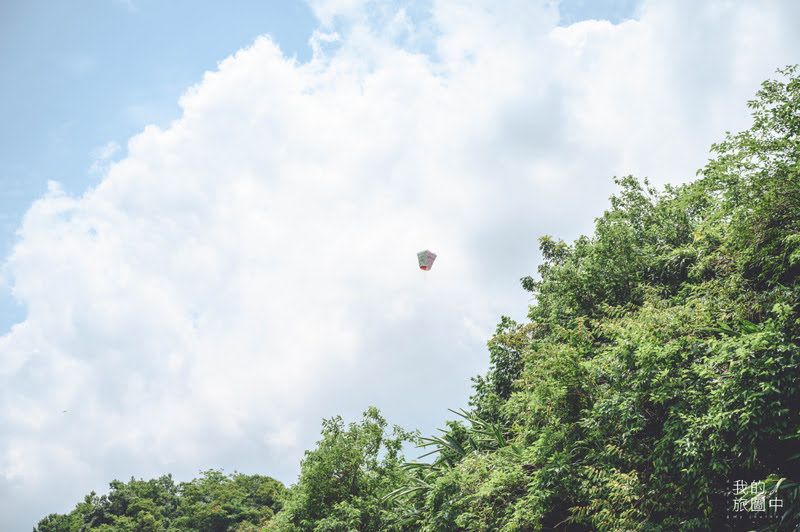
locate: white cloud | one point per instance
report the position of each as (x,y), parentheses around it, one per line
(102,155)
(251,267)
(128,4)
(78,64)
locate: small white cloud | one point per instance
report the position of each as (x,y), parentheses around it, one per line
(79,64)
(128,4)
(102,157)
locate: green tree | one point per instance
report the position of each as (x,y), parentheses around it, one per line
(505,366)
(660,362)
(213,502)
(344,480)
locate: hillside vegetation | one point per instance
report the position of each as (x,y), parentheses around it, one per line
(659,365)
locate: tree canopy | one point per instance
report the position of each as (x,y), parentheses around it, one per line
(213,502)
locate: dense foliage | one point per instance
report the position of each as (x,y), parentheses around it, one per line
(659,365)
(214,503)
(344,480)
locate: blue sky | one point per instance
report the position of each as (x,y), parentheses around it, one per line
(209,236)
(78,75)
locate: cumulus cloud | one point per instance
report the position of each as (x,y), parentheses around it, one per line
(251,268)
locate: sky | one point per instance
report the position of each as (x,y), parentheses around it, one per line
(210,214)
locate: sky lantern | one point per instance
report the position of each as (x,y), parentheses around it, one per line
(426,259)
